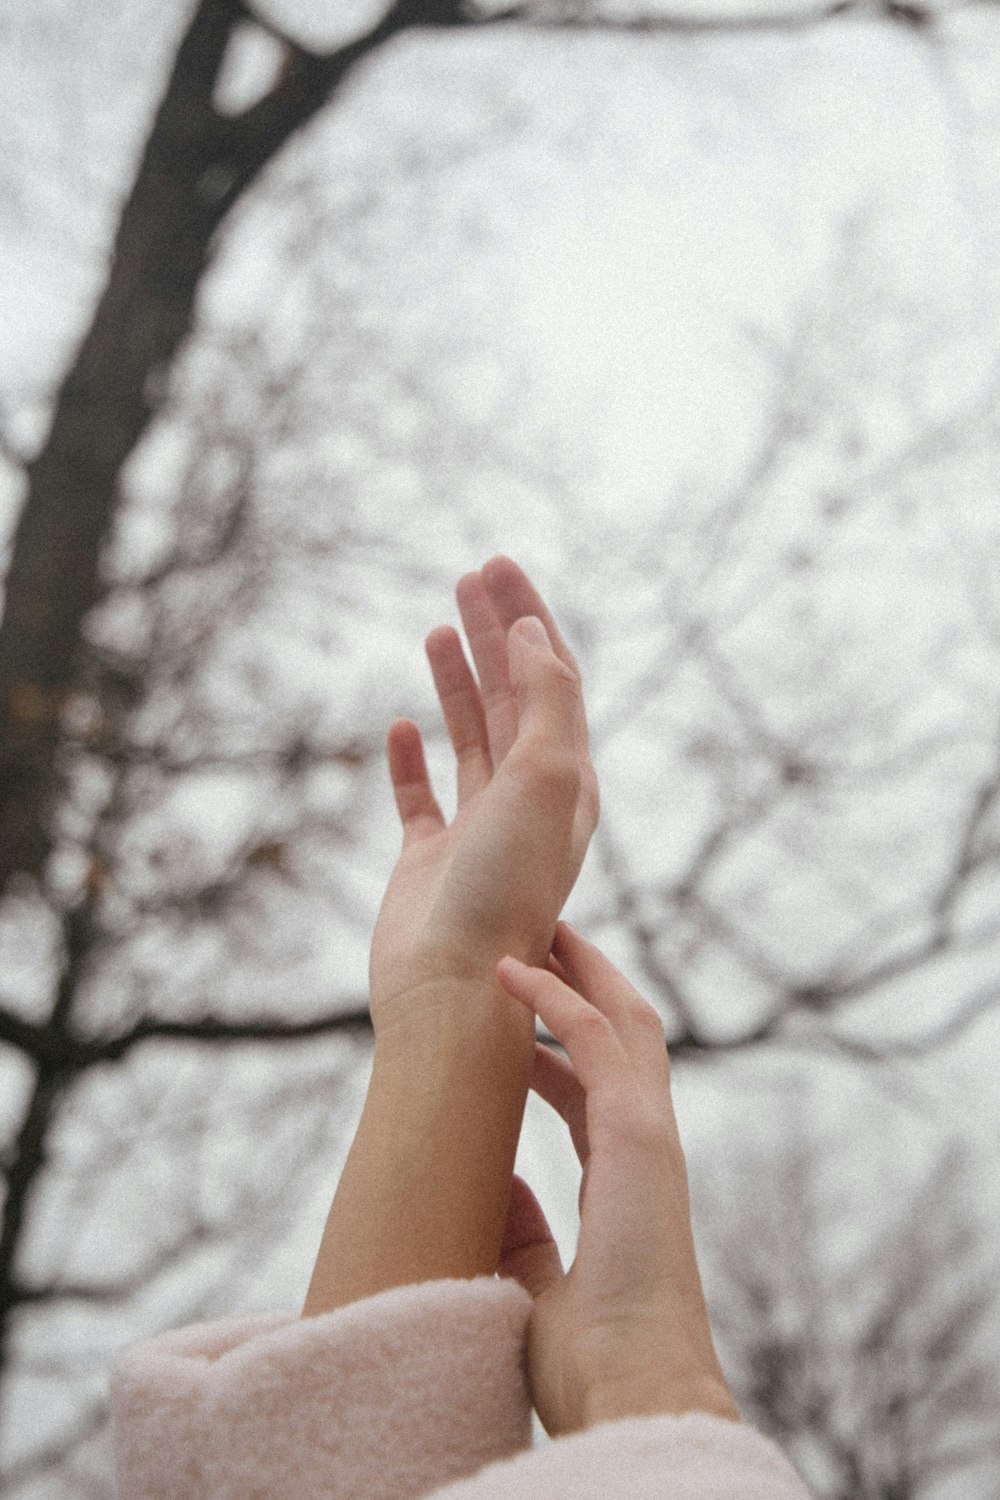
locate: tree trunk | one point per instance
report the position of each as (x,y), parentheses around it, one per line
(196,164)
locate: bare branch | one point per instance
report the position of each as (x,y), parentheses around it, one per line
(211,1029)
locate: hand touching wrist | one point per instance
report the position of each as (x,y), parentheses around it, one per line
(625,1332)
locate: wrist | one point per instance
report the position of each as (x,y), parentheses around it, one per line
(423,1193)
(442,1024)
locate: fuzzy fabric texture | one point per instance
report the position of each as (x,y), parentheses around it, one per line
(390,1397)
(694,1457)
(417,1391)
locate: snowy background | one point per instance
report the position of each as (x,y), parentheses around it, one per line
(702,325)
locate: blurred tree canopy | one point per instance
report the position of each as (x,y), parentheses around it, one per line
(695,313)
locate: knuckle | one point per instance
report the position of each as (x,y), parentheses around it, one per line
(647,1020)
(568,685)
(566,674)
(640,1122)
(556,680)
(591,1026)
(471,752)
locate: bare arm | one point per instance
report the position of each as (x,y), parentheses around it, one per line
(424,1191)
(425,1188)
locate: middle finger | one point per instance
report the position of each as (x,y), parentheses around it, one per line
(462,708)
(488,644)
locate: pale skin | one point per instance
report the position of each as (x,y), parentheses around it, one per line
(625,1331)
(465,954)
(425,1187)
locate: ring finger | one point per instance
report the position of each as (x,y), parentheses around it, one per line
(462,707)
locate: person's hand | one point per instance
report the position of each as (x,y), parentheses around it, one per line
(494,880)
(425,1187)
(625,1332)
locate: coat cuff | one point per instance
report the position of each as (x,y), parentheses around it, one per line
(691,1457)
(390,1397)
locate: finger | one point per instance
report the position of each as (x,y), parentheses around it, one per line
(548,699)
(555,967)
(584,1032)
(462,707)
(528,1251)
(554,1080)
(418,809)
(595,977)
(488,644)
(513,595)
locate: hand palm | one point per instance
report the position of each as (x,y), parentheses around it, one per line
(496,877)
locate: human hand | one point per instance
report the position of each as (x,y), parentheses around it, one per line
(625,1331)
(495,879)
(424,1189)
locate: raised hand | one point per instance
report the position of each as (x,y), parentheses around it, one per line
(424,1189)
(625,1331)
(494,880)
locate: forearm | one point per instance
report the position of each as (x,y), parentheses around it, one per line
(423,1193)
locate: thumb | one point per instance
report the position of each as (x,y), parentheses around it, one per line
(528,1252)
(548,691)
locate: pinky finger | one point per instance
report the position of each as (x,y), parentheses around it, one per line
(586,1035)
(419,812)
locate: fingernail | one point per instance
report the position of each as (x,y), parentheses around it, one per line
(531,629)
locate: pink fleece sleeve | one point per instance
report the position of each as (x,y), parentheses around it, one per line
(383,1400)
(694,1457)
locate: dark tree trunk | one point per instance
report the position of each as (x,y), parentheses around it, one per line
(196,165)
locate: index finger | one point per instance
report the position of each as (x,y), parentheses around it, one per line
(513,595)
